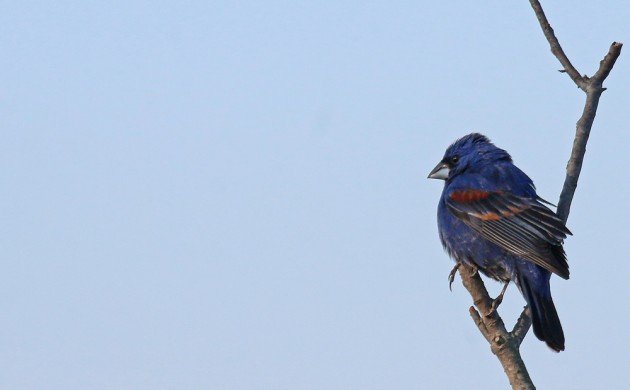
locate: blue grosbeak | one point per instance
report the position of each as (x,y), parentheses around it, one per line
(489,216)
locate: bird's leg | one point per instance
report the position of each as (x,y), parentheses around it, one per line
(451,275)
(475,269)
(497,301)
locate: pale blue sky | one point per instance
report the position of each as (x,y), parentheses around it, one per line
(233,195)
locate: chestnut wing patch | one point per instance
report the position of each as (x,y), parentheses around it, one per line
(522,226)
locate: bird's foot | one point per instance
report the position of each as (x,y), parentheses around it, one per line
(497,301)
(475,271)
(451,275)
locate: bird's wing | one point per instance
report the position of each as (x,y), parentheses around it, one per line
(520,225)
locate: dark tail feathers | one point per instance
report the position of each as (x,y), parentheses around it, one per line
(545,319)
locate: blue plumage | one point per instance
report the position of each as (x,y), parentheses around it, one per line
(489,215)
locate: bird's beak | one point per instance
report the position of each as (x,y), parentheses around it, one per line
(440,171)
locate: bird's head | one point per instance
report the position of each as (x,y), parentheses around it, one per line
(467,154)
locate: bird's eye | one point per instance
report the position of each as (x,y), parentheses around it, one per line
(454,159)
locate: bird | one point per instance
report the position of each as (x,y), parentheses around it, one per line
(491,218)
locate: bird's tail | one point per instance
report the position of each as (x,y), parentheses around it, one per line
(545,319)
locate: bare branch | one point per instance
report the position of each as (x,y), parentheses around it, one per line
(606,65)
(522,325)
(574,166)
(502,343)
(474,314)
(556,49)
(593,88)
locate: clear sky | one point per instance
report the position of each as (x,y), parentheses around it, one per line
(233,195)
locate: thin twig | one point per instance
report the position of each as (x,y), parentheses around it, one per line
(556,49)
(474,314)
(606,65)
(522,325)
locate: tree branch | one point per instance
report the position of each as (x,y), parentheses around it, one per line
(583,126)
(606,65)
(593,88)
(502,343)
(522,325)
(506,345)
(556,49)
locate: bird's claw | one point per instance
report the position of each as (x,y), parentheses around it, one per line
(451,276)
(495,305)
(497,301)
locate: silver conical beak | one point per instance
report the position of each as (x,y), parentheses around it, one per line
(440,171)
